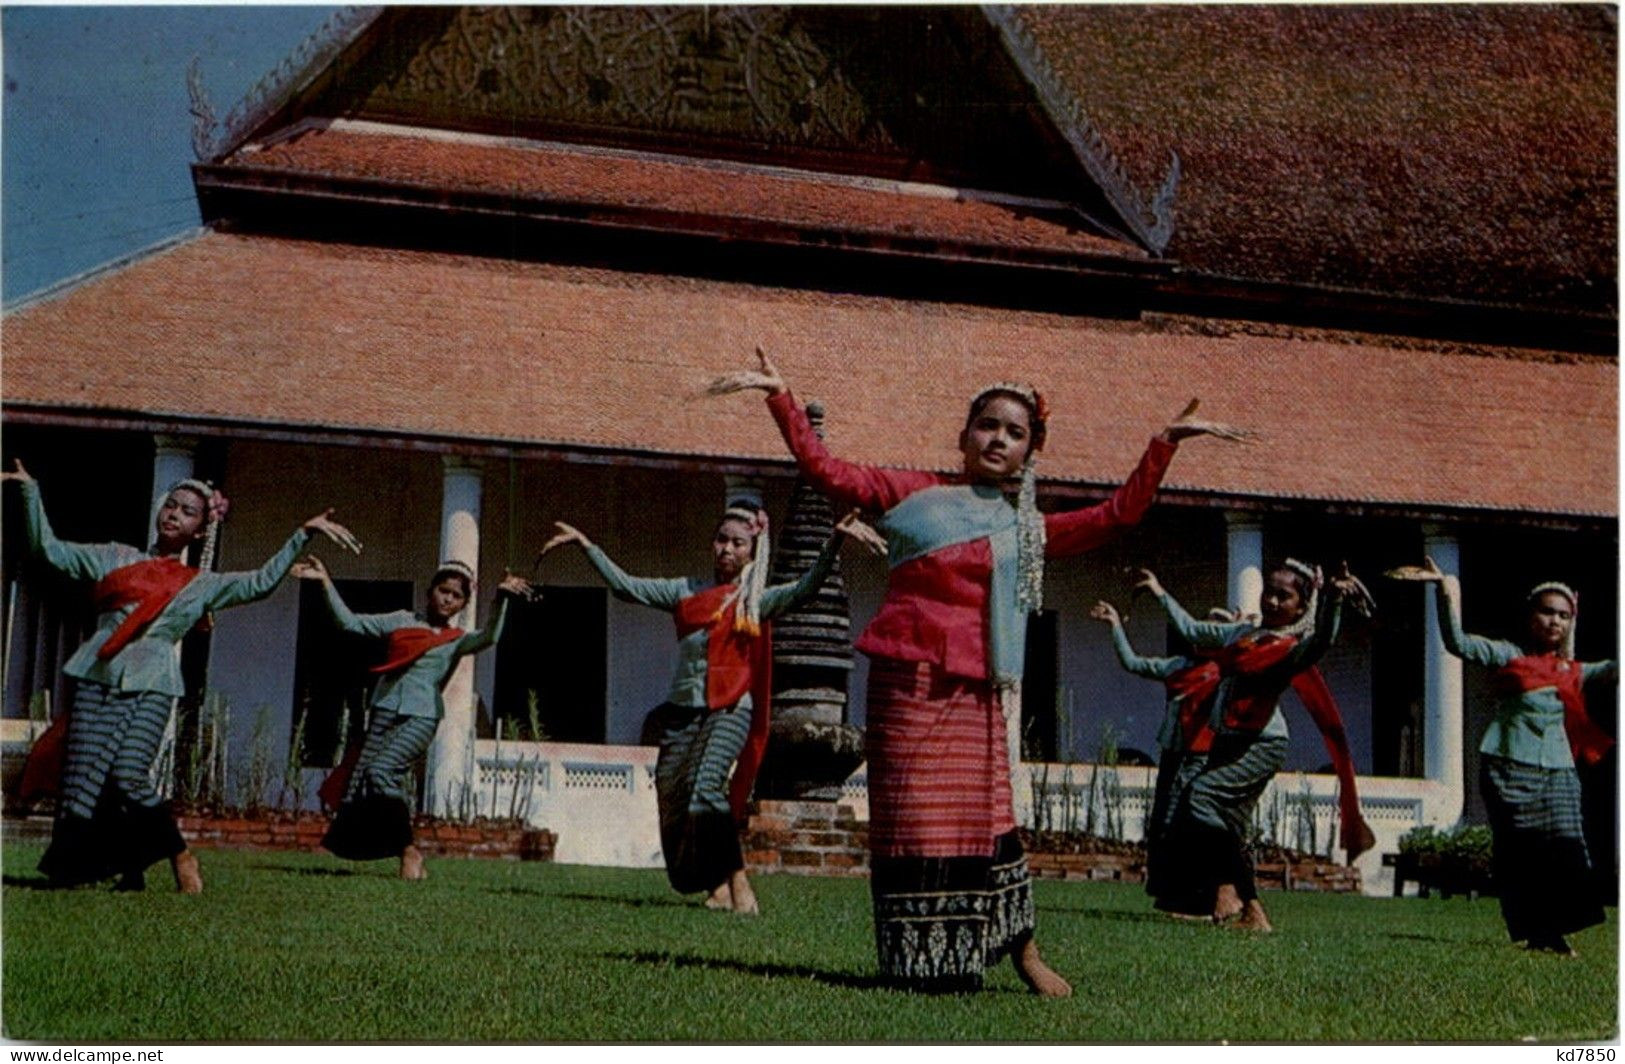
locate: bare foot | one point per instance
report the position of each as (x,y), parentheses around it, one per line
(1226,904)
(721,899)
(744,898)
(1040,978)
(412,864)
(188,879)
(1253,919)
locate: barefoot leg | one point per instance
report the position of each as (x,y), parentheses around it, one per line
(1040,978)
(1226,903)
(412,864)
(721,898)
(1253,918)
(188,878)
(744,898)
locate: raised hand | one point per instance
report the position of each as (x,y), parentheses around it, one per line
(1428,572)
(1187,424)
(1148,581)
(517,586)
(19,474)
(766,377)
(566,534)
(1105,611)
(1347,586)
(859,532)
(310,567)
(324,523)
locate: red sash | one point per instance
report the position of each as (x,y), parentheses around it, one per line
(407,645)
(151,585)
(42,770)
(735,663)
(1251,710)
(1532,672)
(333,788)
(1190,685)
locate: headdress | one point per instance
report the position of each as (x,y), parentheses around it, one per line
(461,568)
(1574,606)
(216,505)
(1029,522)
(753,577)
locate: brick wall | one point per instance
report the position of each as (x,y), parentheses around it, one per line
(806,838)
(304,831)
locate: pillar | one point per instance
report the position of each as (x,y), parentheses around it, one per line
(451,757)
(1442,692)
(1244,550)
(736,486)
(173,459)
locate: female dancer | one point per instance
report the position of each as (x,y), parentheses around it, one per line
(1185,737)
(1526,770)
(375,819)
(111,820)
(949,879)
(1249,667)
(718,708)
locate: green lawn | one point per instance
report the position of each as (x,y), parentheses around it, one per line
(301,947)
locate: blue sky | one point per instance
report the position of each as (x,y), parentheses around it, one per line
(95,132)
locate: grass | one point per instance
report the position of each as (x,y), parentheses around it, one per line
(300,947)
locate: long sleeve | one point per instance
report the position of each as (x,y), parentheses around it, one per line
(661,593)
(1328,622)
(1210,634)
(1474,648)
(1150,668)
(1600,671)
(1077,531)
(81,561)
(480,638)
(782,597)
(234,589)
(368,624)
(850,484)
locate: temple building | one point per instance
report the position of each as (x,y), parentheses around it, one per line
(464,271)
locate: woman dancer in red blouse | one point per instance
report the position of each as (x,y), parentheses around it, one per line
(949,879)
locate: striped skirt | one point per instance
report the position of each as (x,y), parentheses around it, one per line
(1541,867)
(111,819)
(698,837)
(948,876)
(376,818)
(1212,819)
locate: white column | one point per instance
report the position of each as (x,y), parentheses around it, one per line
(1244,548)
(740,486)
(173,459)
(451,757)
(1442,692)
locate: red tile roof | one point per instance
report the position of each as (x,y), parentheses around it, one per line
(1442,150)
(684,193)
(257,330)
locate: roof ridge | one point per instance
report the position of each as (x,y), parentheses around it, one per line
(62,287)
(1151,221)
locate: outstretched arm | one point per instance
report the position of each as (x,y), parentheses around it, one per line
(1076,531)
(783,597)
(236,589)
(81,561)
(1197,633)
(661,593)
(1150,668)
(510,588)
(367,624)
(1474,648)
(850,484)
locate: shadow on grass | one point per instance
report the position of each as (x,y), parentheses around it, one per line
(1121,915)
(1472,943)
(297,870)
(614,899)
(30,883)
(770,971)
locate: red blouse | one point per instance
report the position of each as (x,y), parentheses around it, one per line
(935,608)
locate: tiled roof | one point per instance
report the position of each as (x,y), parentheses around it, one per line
(1459,151)
(257,330)
(673,192)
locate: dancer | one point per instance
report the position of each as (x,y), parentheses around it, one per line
(374,819)
(718,708)
(1249,668)
(111,820)
(948,876)
(1538,729)
(1185,737)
